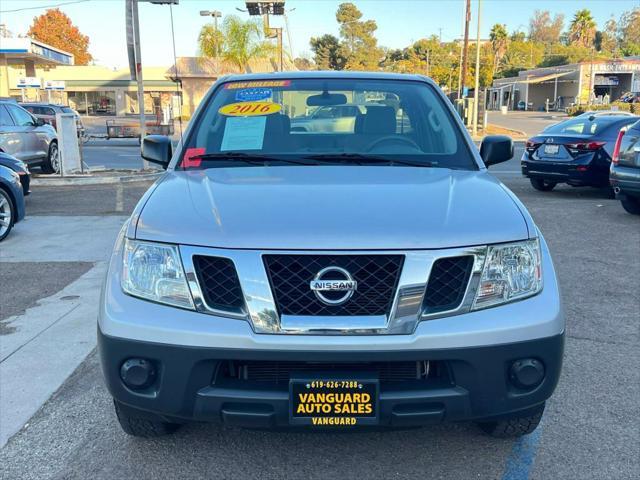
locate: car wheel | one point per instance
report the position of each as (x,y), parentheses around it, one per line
(630,204)
(139,426)
(542,185)
(6,214)
(514,427)
(52,163)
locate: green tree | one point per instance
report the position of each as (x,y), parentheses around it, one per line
(237,42)
(606,41)
(327,53)
(582,30)
(629,32)
(359,45)
(499,41)
(521,55)
(543,29)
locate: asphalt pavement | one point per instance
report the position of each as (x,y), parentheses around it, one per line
(590,429)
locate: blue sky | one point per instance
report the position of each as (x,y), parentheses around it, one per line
(399,22)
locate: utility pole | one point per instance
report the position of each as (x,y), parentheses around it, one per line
(476,96)
(266,8)
(465,46)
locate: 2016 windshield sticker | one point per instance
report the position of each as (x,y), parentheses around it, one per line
(261,84)
(253,94)
(249,109)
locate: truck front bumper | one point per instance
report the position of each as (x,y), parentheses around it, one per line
(195,384)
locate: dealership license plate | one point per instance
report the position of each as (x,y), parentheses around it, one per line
(551,149)
(333,402)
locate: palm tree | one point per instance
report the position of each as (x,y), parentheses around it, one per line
(499,38)
(583,28)
(237,42)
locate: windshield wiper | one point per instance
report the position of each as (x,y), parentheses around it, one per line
(363,159)
(251,158)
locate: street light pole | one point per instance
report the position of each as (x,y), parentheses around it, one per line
(476,96)
(216,14)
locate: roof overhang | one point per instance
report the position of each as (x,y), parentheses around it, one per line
(19,50)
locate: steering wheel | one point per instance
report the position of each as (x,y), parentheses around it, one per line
(392,139)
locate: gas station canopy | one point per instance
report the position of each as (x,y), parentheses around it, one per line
(21,50)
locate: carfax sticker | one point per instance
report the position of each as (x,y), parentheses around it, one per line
(249,109)
(260,84)
(253,94)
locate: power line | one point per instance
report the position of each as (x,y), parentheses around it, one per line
(43,6)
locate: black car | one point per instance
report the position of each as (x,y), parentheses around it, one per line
(625,168)
(577,151)
(18,166)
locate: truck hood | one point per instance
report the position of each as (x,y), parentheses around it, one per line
(330,208)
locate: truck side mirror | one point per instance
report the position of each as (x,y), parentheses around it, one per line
(157,149)
(496,149)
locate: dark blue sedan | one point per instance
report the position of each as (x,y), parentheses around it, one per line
(577,151)
(11,201)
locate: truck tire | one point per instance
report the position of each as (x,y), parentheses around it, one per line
(7,215)
(630,204)
(52,163)
(515,426)
(542,185)
(142,427)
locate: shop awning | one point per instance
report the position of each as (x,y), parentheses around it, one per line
(545,78)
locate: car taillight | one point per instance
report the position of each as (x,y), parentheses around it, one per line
(584,146)
(531,145)
(616,150)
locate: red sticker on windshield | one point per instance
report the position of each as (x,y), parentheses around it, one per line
(190,158)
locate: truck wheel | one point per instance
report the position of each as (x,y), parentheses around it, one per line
(6,214)
(52,163)
(142,427)
(630,204)
(542,185)
(514,427)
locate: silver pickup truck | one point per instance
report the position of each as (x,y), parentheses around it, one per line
(332,280)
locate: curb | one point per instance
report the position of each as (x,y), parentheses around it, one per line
(89,180)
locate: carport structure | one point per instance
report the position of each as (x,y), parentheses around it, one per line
(556,88)
(552,90)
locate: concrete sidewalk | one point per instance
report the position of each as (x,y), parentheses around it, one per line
(41,347)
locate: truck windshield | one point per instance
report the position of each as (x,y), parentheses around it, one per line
(317,121)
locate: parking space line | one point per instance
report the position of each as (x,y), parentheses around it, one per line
(119,198)
(523,453)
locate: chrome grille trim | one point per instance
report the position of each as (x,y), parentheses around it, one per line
(406,309)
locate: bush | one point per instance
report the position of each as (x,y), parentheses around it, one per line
(623,107)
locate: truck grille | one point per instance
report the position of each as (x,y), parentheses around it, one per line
(377,277)
(219,283)
(447,283)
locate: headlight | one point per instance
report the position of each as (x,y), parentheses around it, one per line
(154,271)
(511,271)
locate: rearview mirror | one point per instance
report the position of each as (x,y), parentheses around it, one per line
(496,149)
(157,149)
(326,98)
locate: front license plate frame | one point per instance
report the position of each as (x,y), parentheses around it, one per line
(336,384)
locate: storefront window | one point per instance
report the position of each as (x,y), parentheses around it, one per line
(93,103)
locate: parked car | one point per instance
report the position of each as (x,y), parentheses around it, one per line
(625,168)
(27,138)
(11,201)
(576,151)
(604,113)
(48,111)
(377,277)
(18,166)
